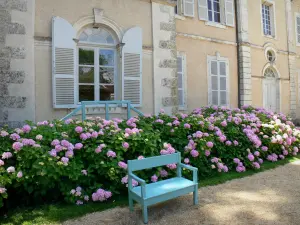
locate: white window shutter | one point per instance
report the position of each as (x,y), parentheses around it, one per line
(132,66)
(63,63)
(229,11)
(298,29)
(189,8)
(202,10)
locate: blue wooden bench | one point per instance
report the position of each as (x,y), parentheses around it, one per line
(149,194)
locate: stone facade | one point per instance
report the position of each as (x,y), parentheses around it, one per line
(244,54)
(164,56)
(16,62)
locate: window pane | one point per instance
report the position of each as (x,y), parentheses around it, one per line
(86,56)
(180,98)
(179,64)
(86,93)
(209,4)
(210,16)
(214,67)
(223,68)
(86,74)
(179,80)
(107,75)
(223,83)
(106,57)
(217,17)
(215,97)
(214,83)
(223,97)
(107,92)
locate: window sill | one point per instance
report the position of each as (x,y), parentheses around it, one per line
(270,37)
(213,24)
(179,17)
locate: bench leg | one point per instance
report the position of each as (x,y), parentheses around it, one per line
(130,201)
(196,195)
(145,214)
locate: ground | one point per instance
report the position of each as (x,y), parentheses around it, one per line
(270,197)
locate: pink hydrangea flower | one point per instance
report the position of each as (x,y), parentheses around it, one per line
(187,126)
(84,172)
(207,153)
(194,153)
(14,136)
(79,202)
(122,165)
(86,198)
(69,154)
(78,146)
(163,173)
(78,129)
(53,153)
(83,137)
(2,190)
(6,155)
(11,169)
(65,160)
(39,137)
(264,148)
(256,153)
(1,162)
(19,174)
(251,157)
(236,160)
(172,166)
(154,178)
(186,160)
(125,145)
(3,133)
(55,142)
(111,154)
(256,165)
(236,143)
(17,146)
(210,144)
(26,128)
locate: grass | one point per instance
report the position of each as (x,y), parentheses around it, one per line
(57,213)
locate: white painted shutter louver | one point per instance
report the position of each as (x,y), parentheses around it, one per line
(132,66)
(63,63)
(189,8)
(202,10)
(229,11)
(298,29)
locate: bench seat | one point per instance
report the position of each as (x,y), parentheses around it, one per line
(164,187)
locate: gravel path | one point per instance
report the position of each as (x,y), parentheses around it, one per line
(271,197)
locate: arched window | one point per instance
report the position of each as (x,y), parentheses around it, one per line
(270,73)
(97,65)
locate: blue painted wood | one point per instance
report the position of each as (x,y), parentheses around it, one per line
(106,112)
(128,110)
(149,194)
(151,162)
(164,187)
(83,116)
(106,104)
(73,113)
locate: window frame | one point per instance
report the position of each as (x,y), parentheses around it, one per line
(297,15)
(272,12)
(218,59)
(213,11)
(96,47)
(184,80)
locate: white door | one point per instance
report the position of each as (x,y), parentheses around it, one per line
(269,91)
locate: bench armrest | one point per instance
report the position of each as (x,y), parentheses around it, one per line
(141,181)
(194,169)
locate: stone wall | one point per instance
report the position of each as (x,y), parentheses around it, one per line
(244,54)
(164,56)
(16,62)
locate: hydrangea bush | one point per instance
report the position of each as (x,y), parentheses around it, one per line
(87,161)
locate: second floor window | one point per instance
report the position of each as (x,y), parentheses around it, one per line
(266,17)
(214,13)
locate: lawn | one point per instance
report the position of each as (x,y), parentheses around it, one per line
(57,213)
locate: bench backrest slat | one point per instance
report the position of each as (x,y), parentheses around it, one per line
(147,163)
